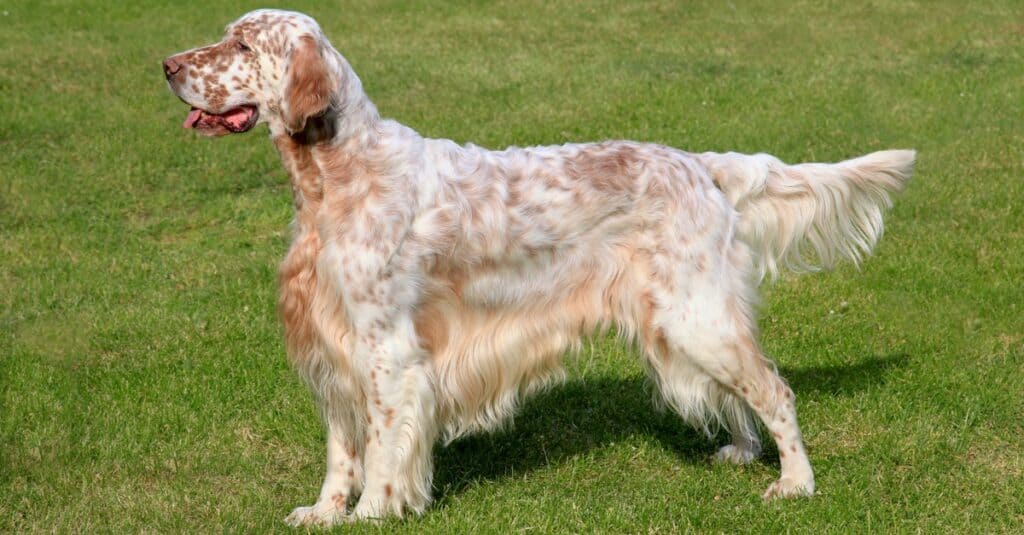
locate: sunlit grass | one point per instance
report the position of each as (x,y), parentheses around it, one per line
(143,385)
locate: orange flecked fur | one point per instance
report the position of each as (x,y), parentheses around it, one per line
(430,287)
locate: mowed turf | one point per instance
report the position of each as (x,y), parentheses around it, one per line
(143,385)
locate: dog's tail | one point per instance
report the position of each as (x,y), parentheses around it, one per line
(835,210)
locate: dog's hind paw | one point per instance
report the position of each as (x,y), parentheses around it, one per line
(733,454)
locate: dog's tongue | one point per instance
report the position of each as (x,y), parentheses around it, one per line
(193,118)
(234,119)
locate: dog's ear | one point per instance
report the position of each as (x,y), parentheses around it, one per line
(308,85)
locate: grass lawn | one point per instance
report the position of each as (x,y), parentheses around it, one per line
(143,385)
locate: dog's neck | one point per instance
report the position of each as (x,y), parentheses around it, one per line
(304,175)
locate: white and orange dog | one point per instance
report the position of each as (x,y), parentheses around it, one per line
(430,287)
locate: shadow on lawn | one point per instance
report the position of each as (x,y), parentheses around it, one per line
(579,416)
(841,379)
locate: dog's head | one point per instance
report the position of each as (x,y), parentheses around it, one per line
(271,66)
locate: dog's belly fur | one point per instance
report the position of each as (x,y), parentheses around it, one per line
(503,335)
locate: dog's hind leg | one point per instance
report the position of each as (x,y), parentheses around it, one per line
(738,364)
(739,420)
(701,401)
(709,359)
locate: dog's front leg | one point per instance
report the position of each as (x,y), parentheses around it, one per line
(343,480)
(400,421)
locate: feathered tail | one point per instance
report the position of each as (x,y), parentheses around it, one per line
(835,209)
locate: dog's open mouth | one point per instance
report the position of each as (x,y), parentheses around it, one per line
(235,120)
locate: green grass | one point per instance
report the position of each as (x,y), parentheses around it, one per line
(143,385)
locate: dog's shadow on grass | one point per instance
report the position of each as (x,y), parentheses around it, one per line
(577,417)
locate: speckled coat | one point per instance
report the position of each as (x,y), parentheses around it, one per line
(429,286)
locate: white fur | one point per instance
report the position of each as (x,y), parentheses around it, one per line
(835,209)
(430,287)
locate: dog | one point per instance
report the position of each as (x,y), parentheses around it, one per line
(430,287)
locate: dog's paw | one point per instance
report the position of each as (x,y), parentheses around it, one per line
(315,515)
(733,454)
(789,488)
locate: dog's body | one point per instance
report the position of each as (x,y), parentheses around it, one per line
(430,286)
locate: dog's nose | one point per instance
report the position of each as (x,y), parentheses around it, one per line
(171,67)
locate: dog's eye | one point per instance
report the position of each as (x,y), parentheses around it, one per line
(243,47)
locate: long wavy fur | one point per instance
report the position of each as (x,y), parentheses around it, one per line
(833,211)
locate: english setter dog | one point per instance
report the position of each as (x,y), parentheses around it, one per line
(430,287)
